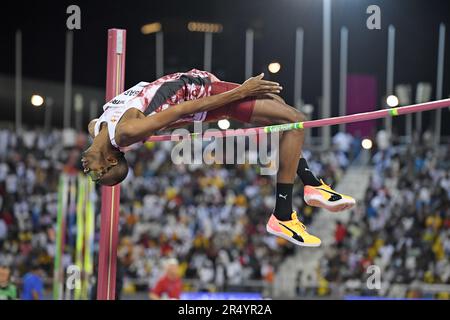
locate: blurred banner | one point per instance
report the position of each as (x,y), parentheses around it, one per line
(221,296)
(361,97)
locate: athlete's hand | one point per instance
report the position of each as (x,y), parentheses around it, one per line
(257,86)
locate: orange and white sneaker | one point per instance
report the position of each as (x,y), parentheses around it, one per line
(292,230)
(324,197)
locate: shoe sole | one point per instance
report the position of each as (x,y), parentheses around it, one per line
(340,205)
(282,235)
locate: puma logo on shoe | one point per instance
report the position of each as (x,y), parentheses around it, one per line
(334,196)
(295,235)
(284,197)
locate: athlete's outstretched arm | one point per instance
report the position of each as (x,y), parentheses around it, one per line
(136,130)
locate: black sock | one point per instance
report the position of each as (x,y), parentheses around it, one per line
(283,205)
(308,178)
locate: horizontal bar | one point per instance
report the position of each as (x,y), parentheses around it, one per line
(357,117)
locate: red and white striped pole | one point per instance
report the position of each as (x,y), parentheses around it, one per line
(107,261)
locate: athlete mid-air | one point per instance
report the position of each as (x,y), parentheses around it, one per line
(181,98)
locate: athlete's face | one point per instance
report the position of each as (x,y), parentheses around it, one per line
(94,164)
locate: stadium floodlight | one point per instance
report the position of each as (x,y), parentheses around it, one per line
(392,101)
(367,144)
(37,100)
(274,67)
(223,124)
(194,26)
(150,28)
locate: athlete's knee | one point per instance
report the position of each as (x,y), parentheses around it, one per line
(295,116)
(276,97)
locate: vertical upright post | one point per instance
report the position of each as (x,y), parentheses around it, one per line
(249,34)
(298,76)
(343,76)
(159,54)
(18,85)
(439,84)
(390,72)
(107,261)
(207,57)
(326,72)
(68,80)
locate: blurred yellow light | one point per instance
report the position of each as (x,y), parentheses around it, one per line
(366,144)
(151,28)
(205,27)
(37,100)
(274,67)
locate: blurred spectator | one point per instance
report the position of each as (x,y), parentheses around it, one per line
(8,290)
(340,233)
(169,286)
(33,285)
(343,141)
(383,140)
(210,217)
(402,226)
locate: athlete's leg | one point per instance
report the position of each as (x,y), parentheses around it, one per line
(316,192)
(270,111)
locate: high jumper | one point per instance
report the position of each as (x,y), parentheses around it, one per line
(177,100)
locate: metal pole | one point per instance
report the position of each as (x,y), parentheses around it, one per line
(93,105)
(409,137)
(249,36)
(326,72)
(439,83)
(418,115)
(78,106)
(343,75)
(107,261)
(18,89)
(159,54)
(390,72)
(207,57)
(298,68)
(68,80)
(48,113)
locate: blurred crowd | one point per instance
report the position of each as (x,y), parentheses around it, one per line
(403,226)
(210,217)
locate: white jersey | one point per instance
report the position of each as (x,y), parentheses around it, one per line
(115,109)
(150,98)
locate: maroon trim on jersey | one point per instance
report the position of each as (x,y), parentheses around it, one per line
(174,91)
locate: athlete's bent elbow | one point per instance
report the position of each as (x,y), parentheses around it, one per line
(124,136)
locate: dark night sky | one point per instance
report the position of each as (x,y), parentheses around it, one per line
(44,25)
